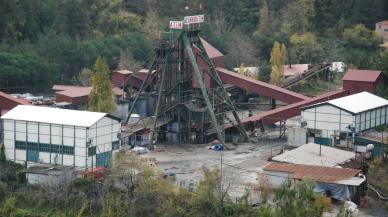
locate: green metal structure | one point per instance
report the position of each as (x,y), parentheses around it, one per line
(198,110)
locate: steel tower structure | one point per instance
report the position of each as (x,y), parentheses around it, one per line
(178,83)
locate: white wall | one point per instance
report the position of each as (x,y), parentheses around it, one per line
(330,119)
(104,132)
(370,119)
(327,118)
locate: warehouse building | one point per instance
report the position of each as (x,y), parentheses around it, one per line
(350,114)
(356,80)
(60,136)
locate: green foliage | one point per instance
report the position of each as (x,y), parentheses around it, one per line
(278,58)
(297,199)
(101,97)
(304,48)
(361,45)
(19,70)
(8,207)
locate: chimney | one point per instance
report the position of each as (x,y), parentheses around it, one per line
(289,61)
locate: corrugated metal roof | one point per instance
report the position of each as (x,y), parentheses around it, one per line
(76,91)
(53,115)
(359,102)
(14,99)
(308,154)
(211,51)
(295,69)
(362,75)
(316,173)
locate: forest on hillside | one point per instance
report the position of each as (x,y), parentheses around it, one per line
(51,41)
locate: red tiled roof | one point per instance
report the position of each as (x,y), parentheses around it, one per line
(76,91)
(316,173)
(295,69)
(384,22)
(211,51)
(362,75)
(14,99)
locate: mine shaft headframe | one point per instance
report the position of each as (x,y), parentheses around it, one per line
(186,33)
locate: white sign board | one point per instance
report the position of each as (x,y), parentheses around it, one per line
(176,25)
(194,19)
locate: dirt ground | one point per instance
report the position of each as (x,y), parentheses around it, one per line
(241,166)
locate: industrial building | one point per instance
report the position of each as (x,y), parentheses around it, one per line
(356,80)
(350,114)
(59,136)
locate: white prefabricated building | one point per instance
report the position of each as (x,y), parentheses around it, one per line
(357,112)
(60,136)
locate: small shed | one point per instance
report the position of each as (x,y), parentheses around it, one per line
(49,175)
(356,80)
(342,183)
(357,112)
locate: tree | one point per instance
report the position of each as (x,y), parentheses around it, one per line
(84,78)
(264,27)
(101,98)
(152,26)
(296,199)
(304,48)
(240,49)
(297,17)
(278,58)
(128,62)
(241,69)
(361,45)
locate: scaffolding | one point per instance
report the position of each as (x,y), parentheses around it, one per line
(191,96)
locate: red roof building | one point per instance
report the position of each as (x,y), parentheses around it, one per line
(296,69)
(76,95)
(316,173)
(356,80)
(123,78)
(8,102)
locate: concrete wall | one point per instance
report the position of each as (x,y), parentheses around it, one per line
(49,180)
(276,178)
(296,136)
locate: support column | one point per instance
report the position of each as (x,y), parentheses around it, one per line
(198,77)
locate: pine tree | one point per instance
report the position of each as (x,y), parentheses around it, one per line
(264,27)
(101,97)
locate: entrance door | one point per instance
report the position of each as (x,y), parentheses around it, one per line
(102,159)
